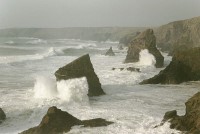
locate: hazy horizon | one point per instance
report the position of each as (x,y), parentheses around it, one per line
(94,13)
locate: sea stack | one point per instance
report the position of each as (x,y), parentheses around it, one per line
(110,52)
(2,115)
(81,67)
(145,40)
(185,66)
(57,121)
(190,122)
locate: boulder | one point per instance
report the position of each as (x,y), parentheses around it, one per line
(2,115)
(145,40)
(81,67)
(189,122)
(110,52)
(185,66)
(57,121)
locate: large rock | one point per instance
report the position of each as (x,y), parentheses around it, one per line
(190,121)
(110,52)
(81,67)
(2,115)
(185,66)
(175,34)
(145,40)
(57,121)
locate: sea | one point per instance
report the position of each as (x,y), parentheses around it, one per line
(28,87)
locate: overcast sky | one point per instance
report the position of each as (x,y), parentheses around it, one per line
(85,13)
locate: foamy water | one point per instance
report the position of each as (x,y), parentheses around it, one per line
(28,88)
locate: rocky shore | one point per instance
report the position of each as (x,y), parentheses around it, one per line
(185,66)
(190,122)
(57,121)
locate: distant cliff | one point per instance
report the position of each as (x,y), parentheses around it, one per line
(84,33)
(177,34)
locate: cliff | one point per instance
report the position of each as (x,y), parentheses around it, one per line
(176,34)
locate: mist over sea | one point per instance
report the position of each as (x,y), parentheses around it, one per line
(28,87)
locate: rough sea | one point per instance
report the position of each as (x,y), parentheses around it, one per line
(28,87)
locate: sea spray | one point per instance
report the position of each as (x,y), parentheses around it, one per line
(146,58)
(72,90)
(75,90)
(45,87)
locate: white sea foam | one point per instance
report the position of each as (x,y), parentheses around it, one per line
(10,42)
(19,58)
(146,58)
(37,41)
(72,90)
(45,88)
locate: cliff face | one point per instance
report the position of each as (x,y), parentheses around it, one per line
(179,33)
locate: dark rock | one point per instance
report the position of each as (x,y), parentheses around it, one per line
(2,115)
(132,69)
(190,122)
(57,122)
(185,66)
(145,40)
(110,52)
(79,68)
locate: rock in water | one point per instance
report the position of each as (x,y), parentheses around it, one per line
(110,52)
(81,67)
(145,40)
(190,121)
(2,115)
(57,121)
(185,66)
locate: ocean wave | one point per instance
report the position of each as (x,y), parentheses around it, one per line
(10,42)
(37,41)
(72,90)
(19,58)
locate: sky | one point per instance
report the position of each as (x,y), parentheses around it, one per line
(94,13)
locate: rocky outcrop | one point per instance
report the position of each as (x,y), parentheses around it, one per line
(57,121)
(2,115)
(81,67)
(110,52)
(131,69)
(175,34)
(189,122)
(185,66)
(145,40)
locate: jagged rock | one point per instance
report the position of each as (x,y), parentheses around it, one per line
(2,115)
(110,52)
(81,67)
(185,66)
(145,40)
(175,34)
(57,121)
(131,69)
(189,122)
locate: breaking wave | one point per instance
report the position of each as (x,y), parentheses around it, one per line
(146,58)
(72,90)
